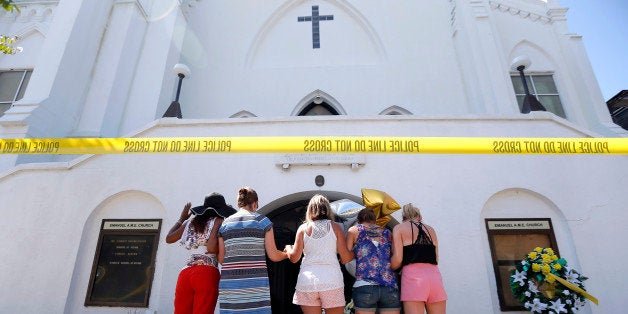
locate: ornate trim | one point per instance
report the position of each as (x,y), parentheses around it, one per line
(498,6)
(32,11)
(137,3)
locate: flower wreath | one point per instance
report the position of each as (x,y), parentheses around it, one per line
(543,283)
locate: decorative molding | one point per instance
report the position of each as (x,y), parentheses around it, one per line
(137,3)
(395,110)
(558,14)
(323,97)
(535,17)
(286,161)
(31,11)
(31,29)
(243,114)
(479,9)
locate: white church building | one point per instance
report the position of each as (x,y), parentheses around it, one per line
(86,233)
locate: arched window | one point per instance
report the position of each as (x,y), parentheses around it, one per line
(395,111)
(322,109)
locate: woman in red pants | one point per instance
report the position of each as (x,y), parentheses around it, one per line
(197,286)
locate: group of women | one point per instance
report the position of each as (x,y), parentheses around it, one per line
(240,239)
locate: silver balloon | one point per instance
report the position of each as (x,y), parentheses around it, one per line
(345,208)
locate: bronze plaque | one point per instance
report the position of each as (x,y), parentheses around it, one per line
(124,263)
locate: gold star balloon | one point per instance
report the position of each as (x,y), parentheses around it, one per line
(381,203)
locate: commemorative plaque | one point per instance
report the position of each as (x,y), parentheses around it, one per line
(124,263)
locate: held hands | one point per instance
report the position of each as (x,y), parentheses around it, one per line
(288,250)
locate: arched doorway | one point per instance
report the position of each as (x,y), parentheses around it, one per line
(283,275)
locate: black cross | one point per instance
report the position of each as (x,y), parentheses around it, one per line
(315,18)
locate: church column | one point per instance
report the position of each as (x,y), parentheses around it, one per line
(583,87)
(154,82)
(56,90)
(484,69)
(114,71)
(57,87)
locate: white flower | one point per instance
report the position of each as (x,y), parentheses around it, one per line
(558,306)
(537,306)
(578,304)
(572,277)
(519,277)
(568,301)
(532,287)
(524,262)
(527,293)
(566,292)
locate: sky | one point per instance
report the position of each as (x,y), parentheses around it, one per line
(603,25)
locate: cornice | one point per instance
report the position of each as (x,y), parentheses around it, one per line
(535,17)
(31,11)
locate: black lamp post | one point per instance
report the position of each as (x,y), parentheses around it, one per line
(530,103)
(174,110)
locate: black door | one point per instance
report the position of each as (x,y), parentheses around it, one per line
(283,275)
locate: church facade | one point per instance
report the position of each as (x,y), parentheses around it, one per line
(433,68)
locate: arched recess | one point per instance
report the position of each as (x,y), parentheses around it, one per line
(525,203)
(306,195)
(543,64)
(30,39)
(123,205)
(317,97)
(243,114)
(395,111)
(289,5)
(287,213)
(541,61)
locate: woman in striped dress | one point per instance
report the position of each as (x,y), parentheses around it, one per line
(244,238)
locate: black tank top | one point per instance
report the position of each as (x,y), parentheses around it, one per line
(422,250)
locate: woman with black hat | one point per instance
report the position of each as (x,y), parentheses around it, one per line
(197,287)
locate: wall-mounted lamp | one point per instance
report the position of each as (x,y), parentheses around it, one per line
(530,103)
(318,100)
(174,110)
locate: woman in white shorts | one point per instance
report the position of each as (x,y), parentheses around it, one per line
(320,283)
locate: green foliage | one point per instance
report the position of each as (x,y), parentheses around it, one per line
(8,5)
(7,43)
(533,284)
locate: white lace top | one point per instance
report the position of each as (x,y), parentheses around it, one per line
(320,269)
(195,242)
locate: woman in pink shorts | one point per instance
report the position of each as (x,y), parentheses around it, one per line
(320,284)
(415,247)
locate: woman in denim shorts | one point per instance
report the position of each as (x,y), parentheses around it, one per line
(375,287)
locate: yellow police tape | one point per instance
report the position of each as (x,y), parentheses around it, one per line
(314,144)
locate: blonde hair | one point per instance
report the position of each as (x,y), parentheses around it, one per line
(246,196)
(318,209)
(410,212)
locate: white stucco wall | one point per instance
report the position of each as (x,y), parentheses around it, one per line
(53,214)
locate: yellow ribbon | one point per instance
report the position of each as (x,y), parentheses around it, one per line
(574,288)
